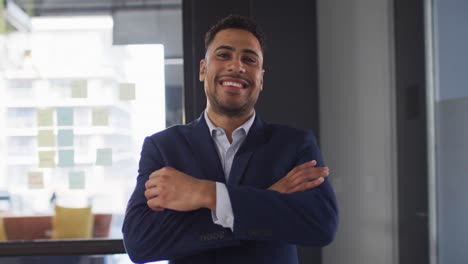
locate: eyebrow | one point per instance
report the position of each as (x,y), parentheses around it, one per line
(250,51)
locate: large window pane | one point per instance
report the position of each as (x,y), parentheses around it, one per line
(450,103)
(77,98)
(76,110)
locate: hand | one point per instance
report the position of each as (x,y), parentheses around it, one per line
(173,189)
(303,177)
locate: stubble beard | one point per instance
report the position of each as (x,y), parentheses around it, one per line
(222,108)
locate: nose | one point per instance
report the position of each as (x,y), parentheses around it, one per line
(236,65)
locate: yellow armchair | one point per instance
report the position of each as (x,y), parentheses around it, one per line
(72,223)
(3,236)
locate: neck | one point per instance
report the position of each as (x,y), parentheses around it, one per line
(228,123)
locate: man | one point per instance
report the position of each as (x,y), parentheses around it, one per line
(228,187)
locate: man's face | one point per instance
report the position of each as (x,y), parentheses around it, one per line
(232,71)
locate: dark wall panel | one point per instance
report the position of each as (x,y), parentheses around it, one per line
(410,76)
(290,94)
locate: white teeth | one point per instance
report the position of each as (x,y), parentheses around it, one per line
(232,84)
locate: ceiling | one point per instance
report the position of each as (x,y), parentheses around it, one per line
(74,7)
(135,22)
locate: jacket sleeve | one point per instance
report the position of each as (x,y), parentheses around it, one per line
(307,218)
(150,235)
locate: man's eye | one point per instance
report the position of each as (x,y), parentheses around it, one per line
(249,60)
(223,55)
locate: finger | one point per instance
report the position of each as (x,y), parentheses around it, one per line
(317,172)
(151,193)
(312,184)
(154,204)
(307,185)
(326,171)
(295,177)
(294,173)
(308,174)
(303,166)
(150,184)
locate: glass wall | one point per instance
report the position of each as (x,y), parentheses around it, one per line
(449,102)
(78,93)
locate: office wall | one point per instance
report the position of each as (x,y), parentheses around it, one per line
(357,127)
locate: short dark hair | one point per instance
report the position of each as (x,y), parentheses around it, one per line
(237,22)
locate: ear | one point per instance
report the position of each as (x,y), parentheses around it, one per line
(202,73)
(261,81)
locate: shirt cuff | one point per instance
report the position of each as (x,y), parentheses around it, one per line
(223,214)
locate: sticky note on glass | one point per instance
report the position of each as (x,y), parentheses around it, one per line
(45,117)
(100,116)
(66,158)
(65,138)
(45,138)
(127,91)
(76,180)
(104,157)
(35,180)
(47,159)
(79,89)
(65,116)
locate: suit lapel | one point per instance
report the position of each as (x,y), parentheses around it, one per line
(255,138)
(203,149)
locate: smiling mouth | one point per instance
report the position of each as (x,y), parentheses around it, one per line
(234,83)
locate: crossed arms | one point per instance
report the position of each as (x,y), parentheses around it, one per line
(168,188)
(169,213)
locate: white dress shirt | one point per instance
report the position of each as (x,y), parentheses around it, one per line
(223,214)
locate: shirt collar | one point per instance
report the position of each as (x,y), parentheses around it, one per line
(246,126)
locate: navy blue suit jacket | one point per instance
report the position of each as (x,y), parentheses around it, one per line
(267,224)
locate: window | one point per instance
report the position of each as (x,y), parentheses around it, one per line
(74,110)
